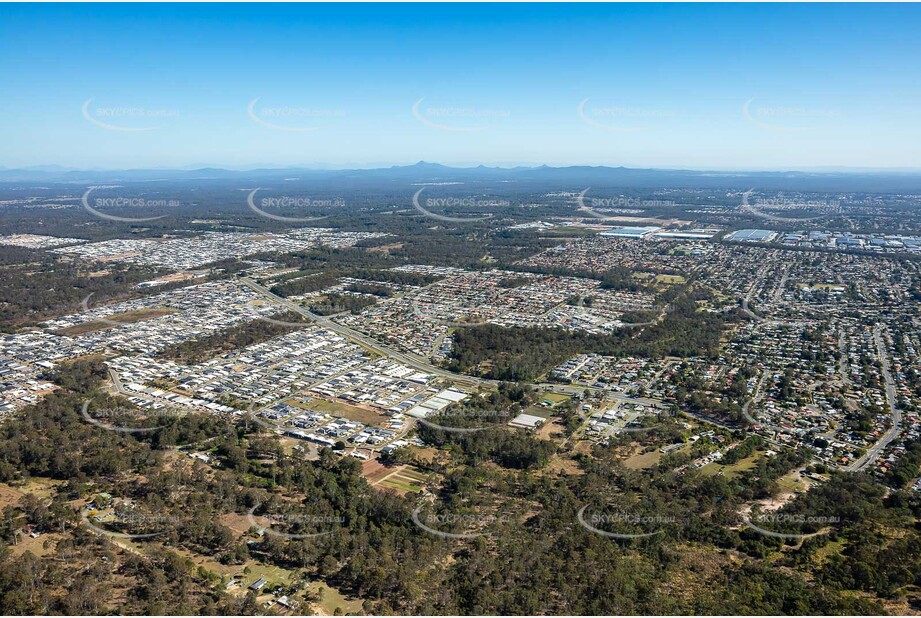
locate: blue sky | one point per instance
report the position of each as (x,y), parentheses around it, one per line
(695,86)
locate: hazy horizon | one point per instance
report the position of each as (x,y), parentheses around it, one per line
(734,87)
(321,167)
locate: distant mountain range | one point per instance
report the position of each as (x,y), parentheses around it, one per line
(563,178)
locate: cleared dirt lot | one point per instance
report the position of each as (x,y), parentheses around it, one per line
(128,317)
(643,460)
(9,496)
(408,479)
(365,416)
(400,478)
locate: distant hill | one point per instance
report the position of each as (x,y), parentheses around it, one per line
(572,177)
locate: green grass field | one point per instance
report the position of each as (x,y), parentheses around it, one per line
(643,460)
(789,484)
(331,600)
(273,575)
(735,469)
(409,479)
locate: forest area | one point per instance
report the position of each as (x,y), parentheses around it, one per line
(504,353)
(531,541)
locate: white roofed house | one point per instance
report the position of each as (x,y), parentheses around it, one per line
(527,421)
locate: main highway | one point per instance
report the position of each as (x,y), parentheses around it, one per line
(420,364)
(417,362)
(412,360)
(871,455)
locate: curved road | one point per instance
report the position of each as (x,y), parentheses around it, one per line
(412,360)
(867,460)
(419,363)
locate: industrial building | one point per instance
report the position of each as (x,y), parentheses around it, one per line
(630,232)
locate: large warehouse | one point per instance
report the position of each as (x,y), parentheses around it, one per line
(631,232)
(752,235)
